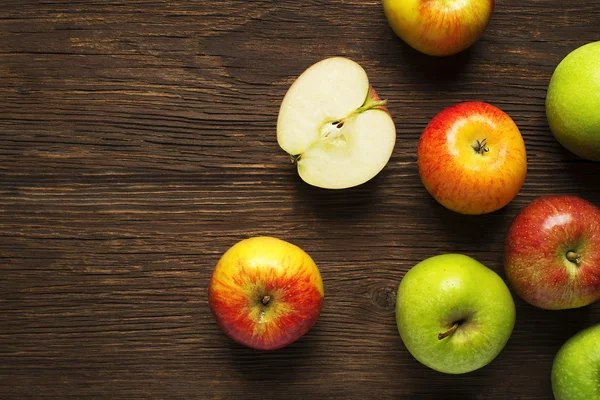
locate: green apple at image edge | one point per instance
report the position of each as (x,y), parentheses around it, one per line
(573,102)
(453,313)
(576,368)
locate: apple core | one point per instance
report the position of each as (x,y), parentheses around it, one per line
(334,132)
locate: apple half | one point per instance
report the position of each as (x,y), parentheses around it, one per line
(334,126)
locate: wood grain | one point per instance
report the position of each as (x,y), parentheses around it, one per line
(137,143)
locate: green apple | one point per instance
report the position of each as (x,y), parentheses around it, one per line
(573,102)
(576,368)
(454,314)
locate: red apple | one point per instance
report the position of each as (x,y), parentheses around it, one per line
(265,293)
(471,158)
(439,27)
(552,253)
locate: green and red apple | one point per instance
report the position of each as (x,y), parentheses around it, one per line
(439,27)
(573,102)
(471,158)
(334,126)
(576,367)
(265,293)
(552,252)
(454,314)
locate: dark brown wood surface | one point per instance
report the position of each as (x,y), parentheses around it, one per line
(138,143)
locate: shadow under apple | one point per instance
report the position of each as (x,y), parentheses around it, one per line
(280,365)
(436,69)
(414,65)
(547,330)
(446,386)
(472,233)
(338,205)
(586,176)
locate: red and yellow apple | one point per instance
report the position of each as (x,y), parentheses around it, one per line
(471,158)
(265,293)
(439,27)
(552,253)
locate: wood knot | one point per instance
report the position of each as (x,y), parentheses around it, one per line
(385,298)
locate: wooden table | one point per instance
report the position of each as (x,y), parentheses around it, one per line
(137,144)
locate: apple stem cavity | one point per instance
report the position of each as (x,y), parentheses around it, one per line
(265,300)
(480,147)
(573,257)
(448,332)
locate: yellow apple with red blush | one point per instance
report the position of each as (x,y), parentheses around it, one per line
(471,158)
(265,293)
(439,27)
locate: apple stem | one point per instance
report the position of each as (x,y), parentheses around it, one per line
(573,257)
(369,105)
(480,147)
(265,300)
(448,332)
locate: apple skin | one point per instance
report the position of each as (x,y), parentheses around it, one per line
(373,97)
(573,101)
(575,371)
(442,290)
(439,28)
(458,176)
(537,244)
(264,266)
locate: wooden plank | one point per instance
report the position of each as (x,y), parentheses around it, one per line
(137,143)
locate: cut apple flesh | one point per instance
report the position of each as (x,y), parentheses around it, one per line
(334,126)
